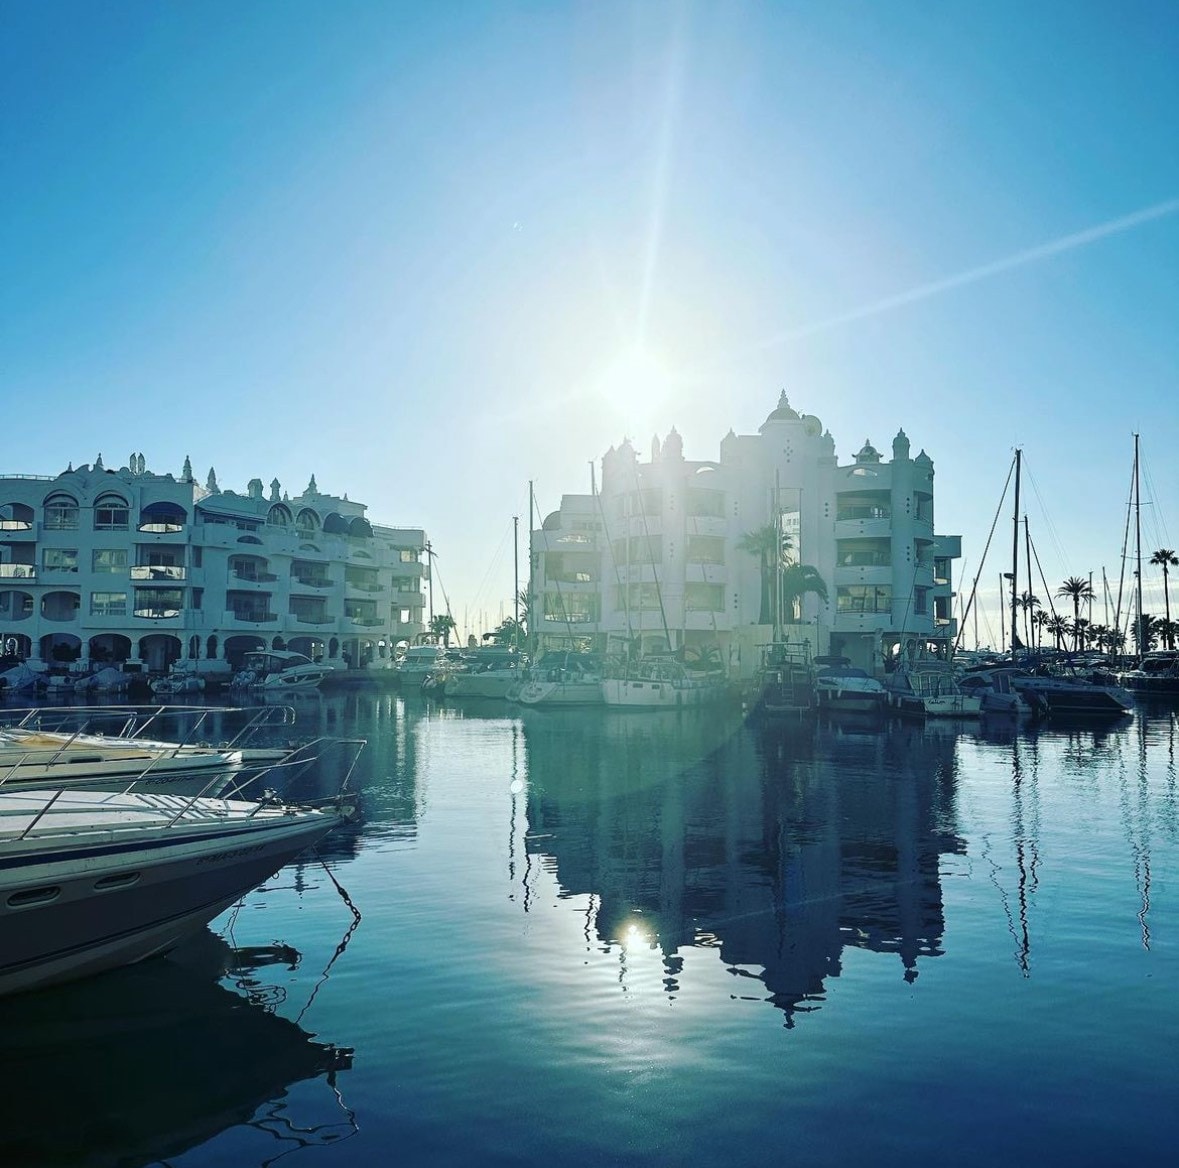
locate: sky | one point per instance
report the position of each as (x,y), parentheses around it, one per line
(433,252)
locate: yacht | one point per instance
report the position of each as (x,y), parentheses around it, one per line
(1056,696)
(841,686)
(661,683)
(418,663)
(91,880)
(484,673)
(1157,675)
(564,679)
(279,671)
(928,688)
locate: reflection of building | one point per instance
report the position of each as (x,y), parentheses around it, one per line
(661,545)
(114,565)
(779,854)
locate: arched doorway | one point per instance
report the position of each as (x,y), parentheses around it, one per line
(237,647)
(311,647)
(60,648)
(109,649)
(159,650)
(15,646)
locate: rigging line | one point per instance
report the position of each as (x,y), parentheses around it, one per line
(491,567)
(1047,590)
(1053,535)
(614,563)
(650,554)
(560,595)
(1125,547)
(978,574)
(1156,514)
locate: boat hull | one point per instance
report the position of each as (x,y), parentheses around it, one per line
(69,909)
(638,694)
(561,693)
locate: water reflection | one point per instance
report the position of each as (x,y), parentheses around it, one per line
(144,1063)
(779,849)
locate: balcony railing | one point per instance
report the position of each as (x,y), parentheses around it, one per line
(254,577)
(251,617)
(18,572)
(366,622)
(863,513)
(364,586)
(158,572)
(312,581)
(15,525)
(157,613)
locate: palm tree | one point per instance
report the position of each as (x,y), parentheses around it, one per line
(797,581)
(1144,631)
(1166,559)
(441,626)
(1029,602)
(1077,588)
(770,546)
(1059,628)
(1167,629)
(1039,620)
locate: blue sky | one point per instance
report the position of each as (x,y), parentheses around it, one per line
(413,248)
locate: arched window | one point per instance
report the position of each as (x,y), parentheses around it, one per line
(16,517)
(307,522)
(111,513)
(162,516)
(279,516)
(61,513)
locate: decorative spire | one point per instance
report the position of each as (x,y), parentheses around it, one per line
(312,489)
(275,491)
(98,463)
(211,483)
(186,473)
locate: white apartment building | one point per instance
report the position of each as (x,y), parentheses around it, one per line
(658,552)
(104,566)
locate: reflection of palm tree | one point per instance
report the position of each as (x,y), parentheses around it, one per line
(1077,588)
(797,581)
(1166,559)
(770,546)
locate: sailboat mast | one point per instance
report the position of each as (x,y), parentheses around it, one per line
(1138,554)
(1015,559)
(516,578)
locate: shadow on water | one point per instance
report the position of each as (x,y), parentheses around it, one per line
(144,1063)
(777,846)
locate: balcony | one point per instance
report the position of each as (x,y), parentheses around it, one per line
(351,624)
(248,616)
(18,572)
(18,530)
(160,572)
(158,612)
(312,581)
(321,623)
(875,524)
(363,586)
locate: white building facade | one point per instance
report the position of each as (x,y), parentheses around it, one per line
(661,551)
(103,566)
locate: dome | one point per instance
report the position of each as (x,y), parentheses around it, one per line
(868,453)
(783,413)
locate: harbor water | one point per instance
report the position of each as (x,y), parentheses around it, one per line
(598,938)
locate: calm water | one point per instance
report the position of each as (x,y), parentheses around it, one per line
(587,938)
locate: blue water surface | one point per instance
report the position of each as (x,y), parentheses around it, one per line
(595,938)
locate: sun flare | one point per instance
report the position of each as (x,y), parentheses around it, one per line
(635,385)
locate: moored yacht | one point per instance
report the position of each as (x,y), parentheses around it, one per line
(279,671)
(839,685)
(90,881)
(927,688)
(564,679)
(660,683)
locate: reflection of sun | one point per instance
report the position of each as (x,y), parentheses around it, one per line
(635,384)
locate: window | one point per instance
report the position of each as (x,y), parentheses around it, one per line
(409,555)
(645,549)
(109,560)
(111,514)
(108,603)
(856,598)
(920,601)
(198,596)
(941,569)
(708,504)
(570,608)
(706,549)
(704,597)
(15,605)
(61,513)
(159,602)
(196,556)
(61,559)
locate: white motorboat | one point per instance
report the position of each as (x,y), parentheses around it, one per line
(90,881)
(109,749)
(839,685)
(485,673)
(928,688)
(661,683)
(418,663)
(279,671)
(564,679)
(1056,696)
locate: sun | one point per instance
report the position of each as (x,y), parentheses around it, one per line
(635,384)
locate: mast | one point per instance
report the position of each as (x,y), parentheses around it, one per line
(516,578)
(1015,560)
(1138,555)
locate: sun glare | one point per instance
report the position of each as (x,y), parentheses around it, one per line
(635,385)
